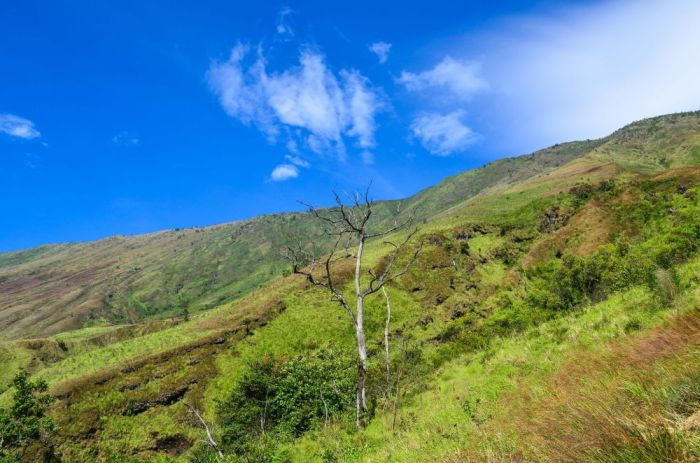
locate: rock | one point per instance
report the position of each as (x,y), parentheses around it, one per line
(552,220)
(166,399)
(174,445)
(462,237)
(129,387)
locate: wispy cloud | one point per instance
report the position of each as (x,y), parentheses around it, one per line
(367,158)
(582,72)
(126,139)
(18,127)
(443,135)
(381,49)
(450,77)
(297,161)
(284,29)
(284,172)
(327,107)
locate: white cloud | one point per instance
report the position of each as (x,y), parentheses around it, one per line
(362,104)
(381,49)
(126,139)
(297,161)
(325,106)
(292,146)
(459,79)
(240,92)
(284,172)
(19,127)
(443,135)
(283,28)
(309,97)
(583,72)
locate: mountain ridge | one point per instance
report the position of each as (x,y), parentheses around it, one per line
(162,273)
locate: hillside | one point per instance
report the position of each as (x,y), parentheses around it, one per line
(551,315)
(118,280)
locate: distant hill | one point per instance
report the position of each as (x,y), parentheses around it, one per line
(55,288)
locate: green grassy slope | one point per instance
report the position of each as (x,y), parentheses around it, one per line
(478,331)
(520,280)
(51,289)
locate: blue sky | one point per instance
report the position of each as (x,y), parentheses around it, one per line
(132,116)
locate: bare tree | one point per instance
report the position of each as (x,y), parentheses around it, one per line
(210,438)
(348,224)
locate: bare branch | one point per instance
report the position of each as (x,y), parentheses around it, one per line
(210,438)
(378,281)
(305,266)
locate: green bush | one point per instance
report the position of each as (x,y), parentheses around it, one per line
(285,398)
(565,284)
(25,423)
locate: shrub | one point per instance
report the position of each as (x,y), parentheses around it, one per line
(25,423)
(285,398)
(572,281)
(666,285)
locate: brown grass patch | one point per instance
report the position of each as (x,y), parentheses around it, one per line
(562,178)
(591,227)
(682,174)
(590,404)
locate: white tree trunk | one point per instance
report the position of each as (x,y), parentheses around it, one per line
(386,341)
(360,336)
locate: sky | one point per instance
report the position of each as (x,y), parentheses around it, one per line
(130,117)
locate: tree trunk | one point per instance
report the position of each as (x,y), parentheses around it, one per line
(386,341)
(360,335)
(362,364)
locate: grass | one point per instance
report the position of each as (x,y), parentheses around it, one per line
(483,378)
(443,421)
(448,418)
(12,358)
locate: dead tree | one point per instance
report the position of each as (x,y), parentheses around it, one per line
(348,223)
(210,438)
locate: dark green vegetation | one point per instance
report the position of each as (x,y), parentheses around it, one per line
(286,397)
(551,316)
(25,424)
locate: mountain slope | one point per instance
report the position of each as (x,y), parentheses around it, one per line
(54,288)
(502,331)
(51,289)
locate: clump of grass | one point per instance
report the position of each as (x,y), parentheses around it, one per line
(666,286)
(624,405)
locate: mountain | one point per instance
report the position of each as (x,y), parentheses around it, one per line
(551,315)
(55,288)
